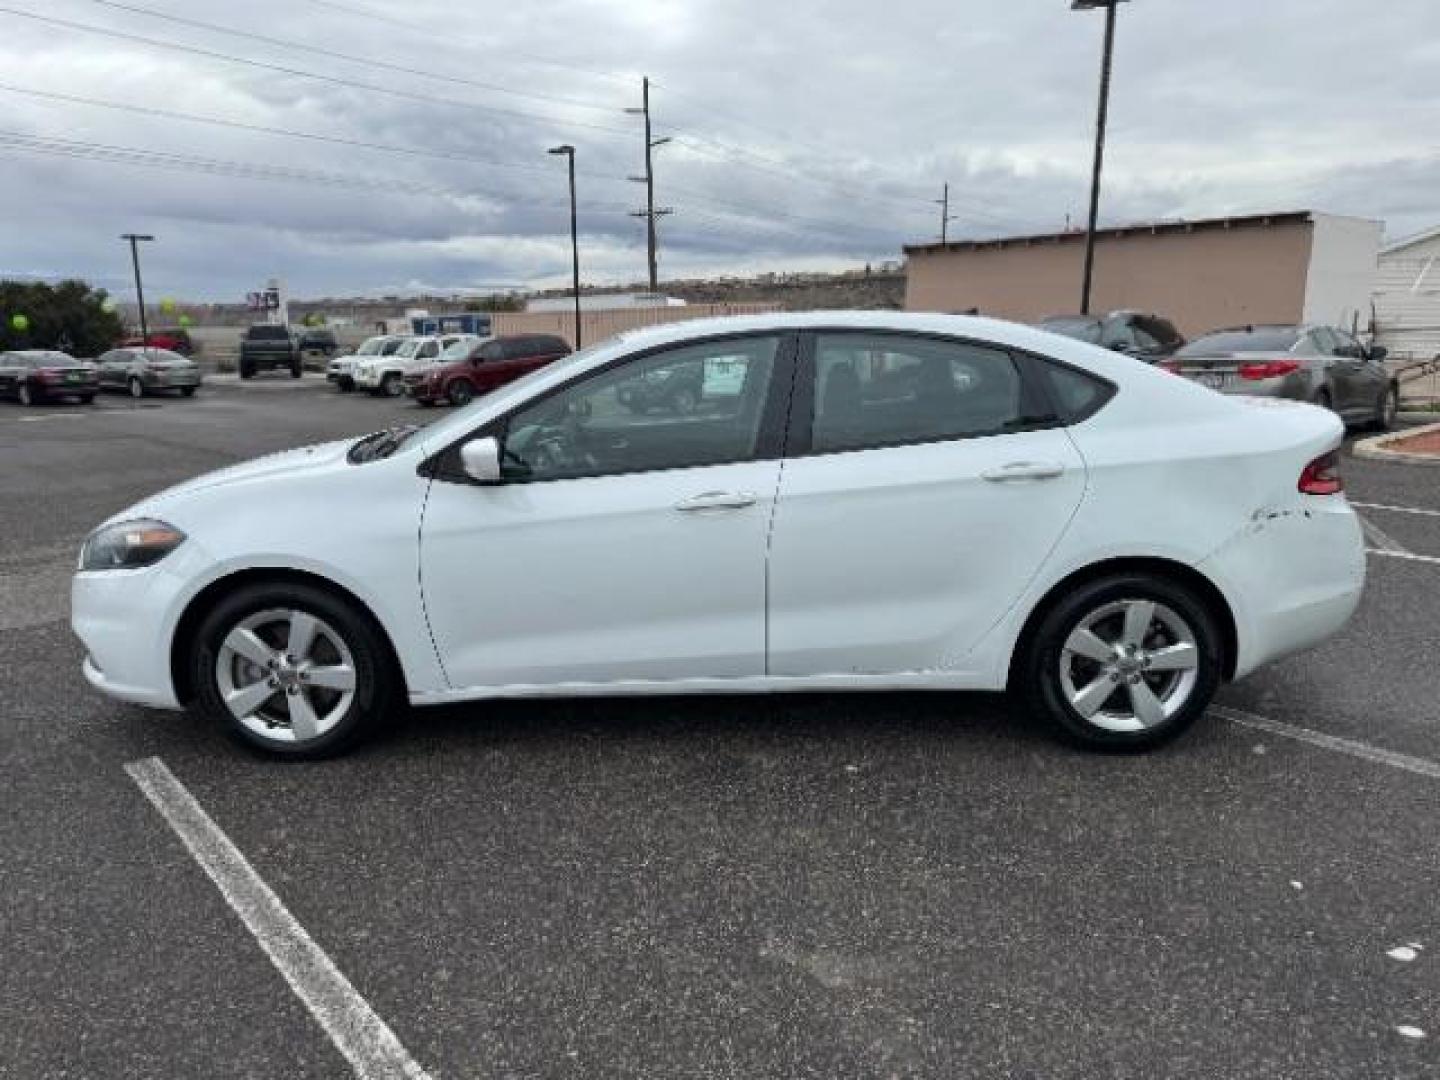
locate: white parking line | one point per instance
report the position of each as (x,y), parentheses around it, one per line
(1382,540)
(52,416)
(1406,555)
(1397,509)
(367,1043)
(1422,766)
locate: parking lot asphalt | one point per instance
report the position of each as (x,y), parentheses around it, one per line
(801,886)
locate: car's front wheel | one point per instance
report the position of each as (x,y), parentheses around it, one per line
(460,393)
(1126,662)
(1387,411)
(392,386)
(137,388)
(292,669)
(25,394)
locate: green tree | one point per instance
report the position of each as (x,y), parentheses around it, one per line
(69,313)
(495,303)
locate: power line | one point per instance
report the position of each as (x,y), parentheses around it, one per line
(351,58)
(429,33)
(338,140)
(303,74)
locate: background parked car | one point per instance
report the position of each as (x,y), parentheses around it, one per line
(1134,333)
(319,341)
(677,389)
(1320,364)
(33,376)
(341,370)
(267,347)
(470,369)
(386,374)
(175,339)
(147,371)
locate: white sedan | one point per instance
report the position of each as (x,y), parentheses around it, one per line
(871,501)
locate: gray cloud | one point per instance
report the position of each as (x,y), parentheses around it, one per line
(806,134)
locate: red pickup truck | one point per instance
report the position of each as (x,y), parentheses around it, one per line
(488,364)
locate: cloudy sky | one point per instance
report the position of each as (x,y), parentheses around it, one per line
(806,134)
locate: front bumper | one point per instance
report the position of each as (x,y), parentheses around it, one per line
(126,621)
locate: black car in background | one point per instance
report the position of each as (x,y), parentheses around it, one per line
(34,376)
(319,341)
(1134,333)
(267,347)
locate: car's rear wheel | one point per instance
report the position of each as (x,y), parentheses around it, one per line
(1126,662)
(1388,409)
(297,367)
(247,371)
(136,387)
(392,385)
(345,383)
(25,394)
(187,391)
(460,393)
(292,669)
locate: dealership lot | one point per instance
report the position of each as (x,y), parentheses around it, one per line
(827,886)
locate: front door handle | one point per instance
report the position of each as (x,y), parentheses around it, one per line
(1024,470)
(717,500)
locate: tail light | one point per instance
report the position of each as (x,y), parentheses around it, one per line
(1270,369)
(1322,476)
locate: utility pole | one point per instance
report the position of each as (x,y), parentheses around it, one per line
(136,239)
(649,213)
(1101,118)
(944,203)
(569,152)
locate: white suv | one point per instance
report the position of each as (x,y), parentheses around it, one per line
(386,374)
(341,370)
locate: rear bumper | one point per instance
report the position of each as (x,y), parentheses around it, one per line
(163,381)
(1294,577)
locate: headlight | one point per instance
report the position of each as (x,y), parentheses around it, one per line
(127,545)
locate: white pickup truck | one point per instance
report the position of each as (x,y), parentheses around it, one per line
(386,374)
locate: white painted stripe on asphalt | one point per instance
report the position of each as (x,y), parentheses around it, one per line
(1422,766)
(1408,556)
(367,1043)
(52,416)
(1382,540)
(1397,509)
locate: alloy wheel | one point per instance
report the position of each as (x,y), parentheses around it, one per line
(26,398)
(137,388)
(286,675)
(1129,665)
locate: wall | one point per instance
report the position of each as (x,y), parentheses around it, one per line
(596,326)
(1342,273)
(1407,301)
(1201,280)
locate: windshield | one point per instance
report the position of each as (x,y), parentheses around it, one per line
(1078,327)
(371,346)
(1244,340)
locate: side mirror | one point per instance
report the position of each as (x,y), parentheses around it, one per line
(1378,353)
(480,458)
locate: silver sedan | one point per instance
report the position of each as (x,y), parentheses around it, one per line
(146,371)
(1319,364)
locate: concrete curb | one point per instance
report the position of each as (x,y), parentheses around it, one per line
(1377,448)
(1415,416)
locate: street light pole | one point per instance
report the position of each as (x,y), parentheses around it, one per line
(569,152)
(1101,118)
(135,240)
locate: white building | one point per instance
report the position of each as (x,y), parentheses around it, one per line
(1407,297)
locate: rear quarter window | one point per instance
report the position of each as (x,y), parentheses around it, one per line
(1078,395)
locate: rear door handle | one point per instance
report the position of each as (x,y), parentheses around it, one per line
(717,500)
(1024,470)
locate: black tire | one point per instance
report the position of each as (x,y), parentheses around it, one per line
(1038,678)
(135,387)
(391,385)
(87,399)
(377,693)
(460,393)
(1323,400)
(1387,409)
(26,396)
(297,368)
(187,391)
(247,371)
(345,383)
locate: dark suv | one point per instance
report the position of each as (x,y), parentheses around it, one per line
(1134,333)
(267,347)
(318,341)
(491,363)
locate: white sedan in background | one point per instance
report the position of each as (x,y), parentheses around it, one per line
(875,501)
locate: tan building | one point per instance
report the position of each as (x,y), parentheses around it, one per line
(1286,267)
